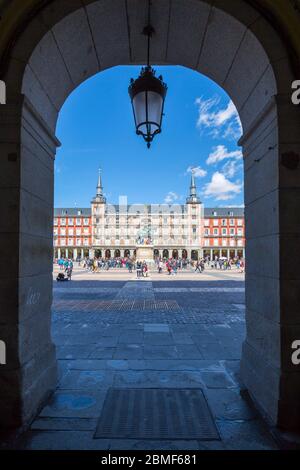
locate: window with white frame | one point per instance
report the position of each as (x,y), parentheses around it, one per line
(206,223)
(216,243)
(240,222)
(216,223)
(224,231)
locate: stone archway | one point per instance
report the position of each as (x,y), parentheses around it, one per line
(237,48)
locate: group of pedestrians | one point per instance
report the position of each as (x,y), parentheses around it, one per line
(141,269)
(171,265)
(66,268)
(104,264)
(225,263)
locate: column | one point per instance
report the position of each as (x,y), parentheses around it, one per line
(211,255)
(272,186)
(228,253)
(30,374)
(91,253)
(67,253)
(75,254)
(59,253)
(235,253)
(81,253)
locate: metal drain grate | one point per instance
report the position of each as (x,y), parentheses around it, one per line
(116,305)
(156,414)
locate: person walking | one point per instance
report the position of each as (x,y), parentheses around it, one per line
(198,267)
(160,266)
(138,269)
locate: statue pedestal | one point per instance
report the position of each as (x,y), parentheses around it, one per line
(145,253)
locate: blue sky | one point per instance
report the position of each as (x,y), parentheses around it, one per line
(200,130)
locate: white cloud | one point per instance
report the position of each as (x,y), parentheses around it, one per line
(198,171)
(231,168)
(221,188)
(220,153)
(222,122)
(171,197)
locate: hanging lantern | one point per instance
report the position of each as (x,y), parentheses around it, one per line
(147,94)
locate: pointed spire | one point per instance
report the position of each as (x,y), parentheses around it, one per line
(99,189)
(193,189)
(99,185)
(193,198)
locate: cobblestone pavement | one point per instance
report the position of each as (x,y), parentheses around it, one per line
(183,333)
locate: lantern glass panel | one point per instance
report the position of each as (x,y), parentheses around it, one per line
(154,102)
(139,106)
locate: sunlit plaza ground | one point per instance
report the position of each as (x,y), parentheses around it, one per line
(162,332)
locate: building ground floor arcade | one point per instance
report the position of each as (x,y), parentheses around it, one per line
(130,252)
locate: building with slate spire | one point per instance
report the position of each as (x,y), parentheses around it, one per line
(177,230)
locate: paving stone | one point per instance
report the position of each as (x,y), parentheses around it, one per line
(217,379)
(182,338)
(153,445)
(74,351)
(74,404)
(229,405)
(159,352)
(87,380)
(62,440)
(245,435)
(179,364)
(131,336)
(188,351)
(156,328)
(64,424)
(99,364)
(159,379)
(128,351)
(164,339)
(102,353)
